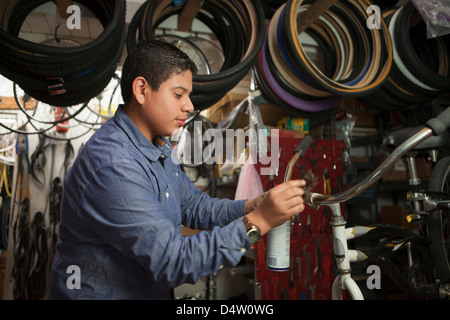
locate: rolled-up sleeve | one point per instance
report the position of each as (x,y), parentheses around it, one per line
(125,209)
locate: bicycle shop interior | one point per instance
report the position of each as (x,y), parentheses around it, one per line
(346,73)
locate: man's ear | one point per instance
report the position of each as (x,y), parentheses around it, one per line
(139,89)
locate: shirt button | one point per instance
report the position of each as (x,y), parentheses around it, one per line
(167,195)
(243,250)
(162,156)
(221,267)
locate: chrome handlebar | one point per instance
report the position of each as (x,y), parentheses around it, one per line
(316,199)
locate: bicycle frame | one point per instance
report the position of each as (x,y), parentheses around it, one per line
(343,255)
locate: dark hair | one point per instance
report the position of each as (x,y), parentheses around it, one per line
(156,61)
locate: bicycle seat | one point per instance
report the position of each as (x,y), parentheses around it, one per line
(397,137)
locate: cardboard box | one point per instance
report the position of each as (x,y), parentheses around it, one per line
(395,215)
(295,124)
(399,171)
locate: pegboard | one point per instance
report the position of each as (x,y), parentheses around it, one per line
(311,237)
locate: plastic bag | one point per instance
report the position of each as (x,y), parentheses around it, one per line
(249,184)
(436,15)
(344,130)
(257,128)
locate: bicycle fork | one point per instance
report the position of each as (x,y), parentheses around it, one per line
(343,255)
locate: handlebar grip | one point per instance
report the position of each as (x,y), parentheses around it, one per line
(440,123)
(303,145)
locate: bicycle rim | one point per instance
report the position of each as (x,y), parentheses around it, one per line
(439,221)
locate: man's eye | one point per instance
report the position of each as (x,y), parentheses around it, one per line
(179,96)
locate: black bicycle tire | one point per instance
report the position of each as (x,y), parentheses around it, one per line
(24,7)
(439,253)
(109,30)
(116,40)
(65,65)
(384,99)
(405,76)
(23,109)
(82,89)
(212,18)
(409,56)
(133,27)
(396,94)
(385,4)
(216,25)
(67,56)
(270,6)
(26,132)
(71,98)
(244,64)
(426,50)
(237,32)
(203,101)
(71,137)
(358,67)
(230,82)
(232,50)
(234,68)
(399,86)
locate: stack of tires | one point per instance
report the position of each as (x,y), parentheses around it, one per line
(421,66)
(391,65)
(355,59)
(62,76)
(239,27)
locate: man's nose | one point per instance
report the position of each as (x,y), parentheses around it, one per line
(188,106)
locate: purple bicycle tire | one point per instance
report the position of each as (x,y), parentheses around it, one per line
(310,106)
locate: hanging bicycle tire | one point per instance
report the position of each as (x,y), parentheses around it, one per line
(62,76)
(239,27)
(370,58)
(439,221)
(421,66)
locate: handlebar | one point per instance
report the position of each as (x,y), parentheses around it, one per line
(435,126)
(318,199)
(303,146)
(440,123)
(299,151)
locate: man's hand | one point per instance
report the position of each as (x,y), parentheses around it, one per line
(277,205)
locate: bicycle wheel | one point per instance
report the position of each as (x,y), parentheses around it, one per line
(439,221)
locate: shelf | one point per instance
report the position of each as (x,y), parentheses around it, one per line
(399,185)
(367,140)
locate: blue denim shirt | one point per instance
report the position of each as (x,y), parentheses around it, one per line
(123,206)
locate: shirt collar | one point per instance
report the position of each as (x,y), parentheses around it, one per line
(152,151)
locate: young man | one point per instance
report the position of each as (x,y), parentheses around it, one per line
(125,201)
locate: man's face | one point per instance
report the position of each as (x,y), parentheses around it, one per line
(167,109)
